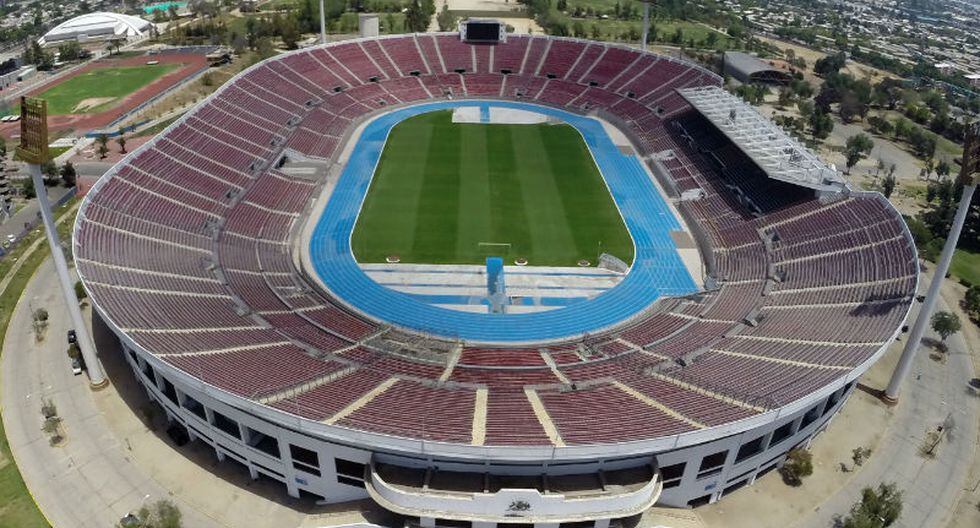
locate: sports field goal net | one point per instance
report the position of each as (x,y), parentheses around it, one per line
(494,248)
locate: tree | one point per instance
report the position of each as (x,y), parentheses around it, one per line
(880,125)
(27,188)
(888,93)
(161,514)
(50,171)
(945,324)
(856,149)
(103,141)
(711,40)
(799,464)
(68,174)
(785,98)
(70,51)
(121,140)
(888,185)
(971,300)
(821,125)
(446,19)
(830,64)
(38,56)
(415,19)
(878,508)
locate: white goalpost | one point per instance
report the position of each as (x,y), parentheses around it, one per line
(503,246)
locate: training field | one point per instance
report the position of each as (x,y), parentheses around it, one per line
(447,193)
(98,89)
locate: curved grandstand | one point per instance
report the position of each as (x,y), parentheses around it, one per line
(189,251)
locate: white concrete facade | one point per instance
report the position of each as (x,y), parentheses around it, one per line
(689,476)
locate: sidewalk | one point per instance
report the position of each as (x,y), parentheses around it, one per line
(90,481)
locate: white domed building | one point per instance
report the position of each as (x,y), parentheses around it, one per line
(101,26)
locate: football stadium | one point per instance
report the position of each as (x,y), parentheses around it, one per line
(482,278)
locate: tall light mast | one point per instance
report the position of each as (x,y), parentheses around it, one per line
(646,25)
(323,24)
(969,171)
(34,150)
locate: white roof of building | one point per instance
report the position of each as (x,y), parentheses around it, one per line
(779,155)
(98,25)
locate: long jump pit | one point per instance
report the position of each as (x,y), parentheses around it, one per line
(95,110)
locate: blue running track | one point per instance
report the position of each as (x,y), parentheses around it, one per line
(657,269)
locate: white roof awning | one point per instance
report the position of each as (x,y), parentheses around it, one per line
(777,153)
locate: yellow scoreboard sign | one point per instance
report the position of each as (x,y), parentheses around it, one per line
(33,130)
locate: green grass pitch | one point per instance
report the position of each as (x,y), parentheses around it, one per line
(101,83)
(442,189)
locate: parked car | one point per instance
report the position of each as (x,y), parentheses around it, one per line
(76,366)
(72,338)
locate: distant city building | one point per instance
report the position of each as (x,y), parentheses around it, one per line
(101,26)
(974,79)
(750,69)
(946,68)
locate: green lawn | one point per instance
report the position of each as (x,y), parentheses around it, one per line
(101,88)
(442,189)
(966,265)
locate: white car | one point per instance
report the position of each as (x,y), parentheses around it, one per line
(76,366)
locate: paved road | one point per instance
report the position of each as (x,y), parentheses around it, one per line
(91,481)
(930,485)
(15,224)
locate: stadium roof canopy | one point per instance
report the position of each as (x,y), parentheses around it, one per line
(780,156)
(748,69)
(97,26)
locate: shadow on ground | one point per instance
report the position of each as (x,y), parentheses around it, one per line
(236,474)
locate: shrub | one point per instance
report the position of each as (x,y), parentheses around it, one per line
(48,409)
(80,292)
(878,508)
(799,464)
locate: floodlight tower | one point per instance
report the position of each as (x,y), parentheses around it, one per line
(34,150)
(323,24)
(646,24)
(969,176)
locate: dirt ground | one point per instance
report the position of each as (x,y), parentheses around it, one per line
(859,71)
